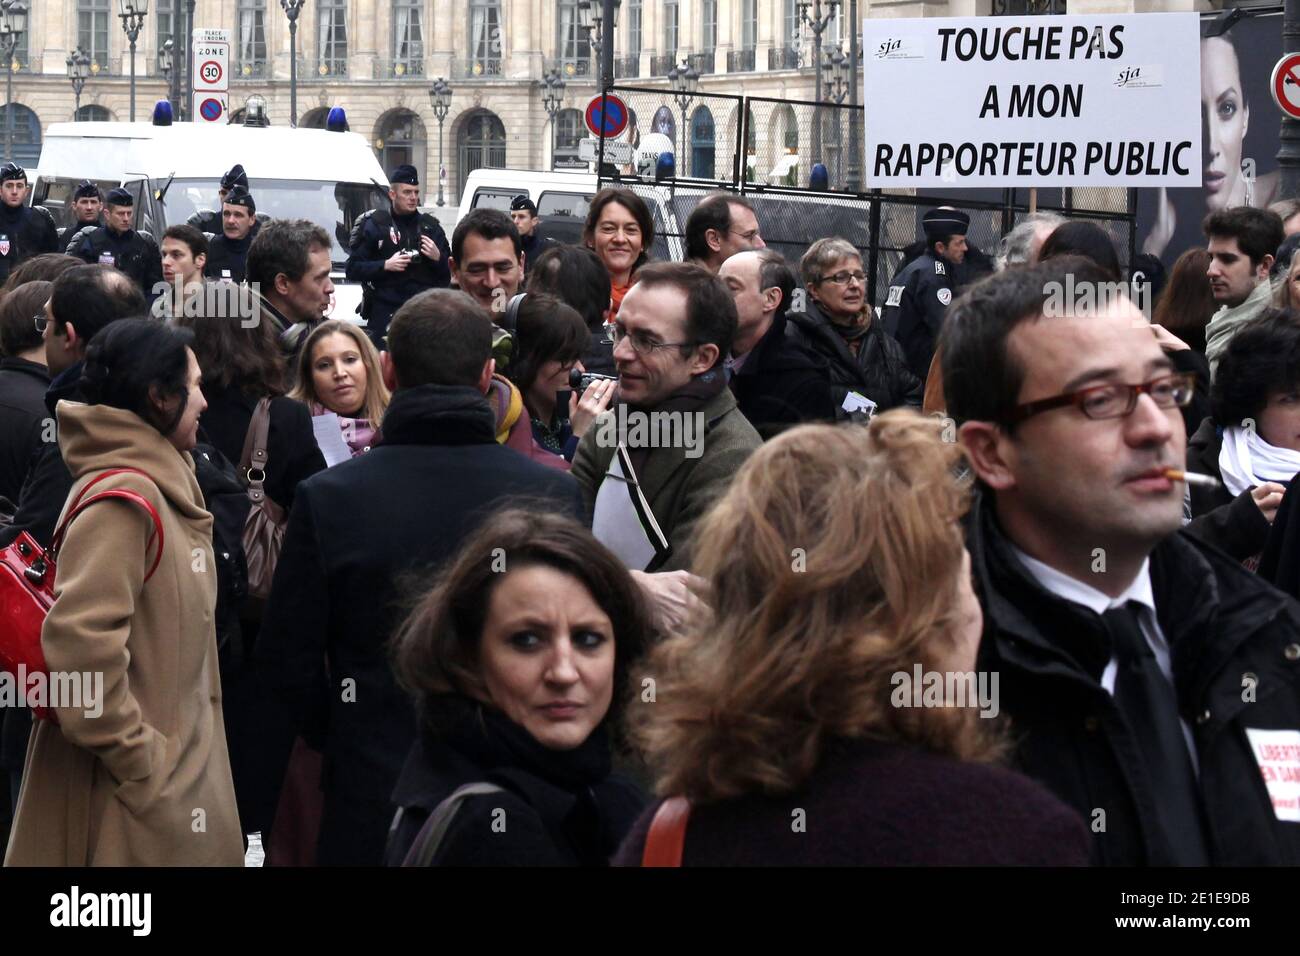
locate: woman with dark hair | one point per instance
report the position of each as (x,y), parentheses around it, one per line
(575,275)
(519,659)
(241,366)
(1081,238)
(549,337)
(24,380)
(620,230)
(796,696)
(123,780)
(1251,441)
(1186,305)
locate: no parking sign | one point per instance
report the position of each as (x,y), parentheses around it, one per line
(1286,85)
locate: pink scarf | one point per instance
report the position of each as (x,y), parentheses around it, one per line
(357,432)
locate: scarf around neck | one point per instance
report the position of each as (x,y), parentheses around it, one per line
(357,432)
(1246,460)
(690,398)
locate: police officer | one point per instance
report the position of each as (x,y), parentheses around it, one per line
(921,291)
(87,213)
(117,244)
(228,252)
(524,212)
(209,220)
(396,254)
(25,231)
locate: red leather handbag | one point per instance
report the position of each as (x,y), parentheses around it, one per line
(27,582)
(666,839)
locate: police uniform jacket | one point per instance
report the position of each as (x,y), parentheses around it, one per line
(1235,653)
(379,234)
(228,258)
(134,253)
(915,306)
(25,232)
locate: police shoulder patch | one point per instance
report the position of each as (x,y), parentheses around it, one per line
(945,296)
(895,295)
(939,269)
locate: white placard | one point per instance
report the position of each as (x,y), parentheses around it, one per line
(211,61)
(965,102)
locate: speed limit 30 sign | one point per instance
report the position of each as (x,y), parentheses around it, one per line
(211,61)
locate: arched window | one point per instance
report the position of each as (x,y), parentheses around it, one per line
(481,143)
(702,143)
(314,118)
(27,134)
(90,113)
(400,139)
(568,134)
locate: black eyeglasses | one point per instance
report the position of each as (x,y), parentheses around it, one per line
(842,278)
(40,322)
(1114,401)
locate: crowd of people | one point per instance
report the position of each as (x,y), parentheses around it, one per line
(560,527)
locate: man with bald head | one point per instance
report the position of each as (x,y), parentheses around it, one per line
(1120,642)
(777,383)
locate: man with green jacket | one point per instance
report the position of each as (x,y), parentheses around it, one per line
(651,466)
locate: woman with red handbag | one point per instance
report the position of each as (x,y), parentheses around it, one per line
(140,776)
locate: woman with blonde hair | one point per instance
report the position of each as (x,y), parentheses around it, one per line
(338,372)
(799,716)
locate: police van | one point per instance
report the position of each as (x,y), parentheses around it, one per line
(327,177)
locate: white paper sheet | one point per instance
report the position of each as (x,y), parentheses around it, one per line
(329,438)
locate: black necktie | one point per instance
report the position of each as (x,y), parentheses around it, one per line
(1146,699)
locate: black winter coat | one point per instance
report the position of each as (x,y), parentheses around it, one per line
(918,299)
(375,238)
(292,453)
(23,415)
(25,231)
(1221,622)
(879,371)
(875,804)
(357,533)
(561,808)
(228,258)
(782,383)
(133,253)
(1235,525)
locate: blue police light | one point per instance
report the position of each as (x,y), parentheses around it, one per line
(665,167)
(337,122)
(162,113)
(819,178)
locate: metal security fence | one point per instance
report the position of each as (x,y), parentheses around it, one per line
(767,150)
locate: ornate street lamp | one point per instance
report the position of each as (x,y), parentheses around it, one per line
(78,73)
(13,24)
(818,23)
(440,100)
(685,83)
(291,9)
(552,99)
(132,17)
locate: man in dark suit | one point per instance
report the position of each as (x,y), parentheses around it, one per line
(361,531)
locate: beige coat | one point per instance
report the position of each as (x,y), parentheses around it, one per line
(147,782)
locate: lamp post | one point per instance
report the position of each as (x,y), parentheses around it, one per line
(13,24)
(291,9)
(552,100)
(165,62)
(440,100)
(78,73)
(818,23)
(837,91)
(132,17)
(854,182)
(685,83)
(599,18)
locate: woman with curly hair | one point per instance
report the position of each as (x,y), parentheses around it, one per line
(788,714)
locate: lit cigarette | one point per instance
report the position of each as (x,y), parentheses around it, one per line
(1205,481)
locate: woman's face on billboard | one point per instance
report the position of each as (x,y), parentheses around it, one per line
(1226,119)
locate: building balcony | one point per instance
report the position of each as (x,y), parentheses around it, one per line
(310,67)
(1027,8)
(250,70)
(399,68)
(783,58)
(476,67)
(627,67)
(702,63)
(577,68)
(660,65)
(740,61)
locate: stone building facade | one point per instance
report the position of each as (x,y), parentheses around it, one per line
(377,59)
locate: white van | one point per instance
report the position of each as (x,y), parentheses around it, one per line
(174,171)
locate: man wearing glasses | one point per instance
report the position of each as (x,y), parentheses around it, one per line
(645,477)
(718,228)
(920,292)
(1132,658)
